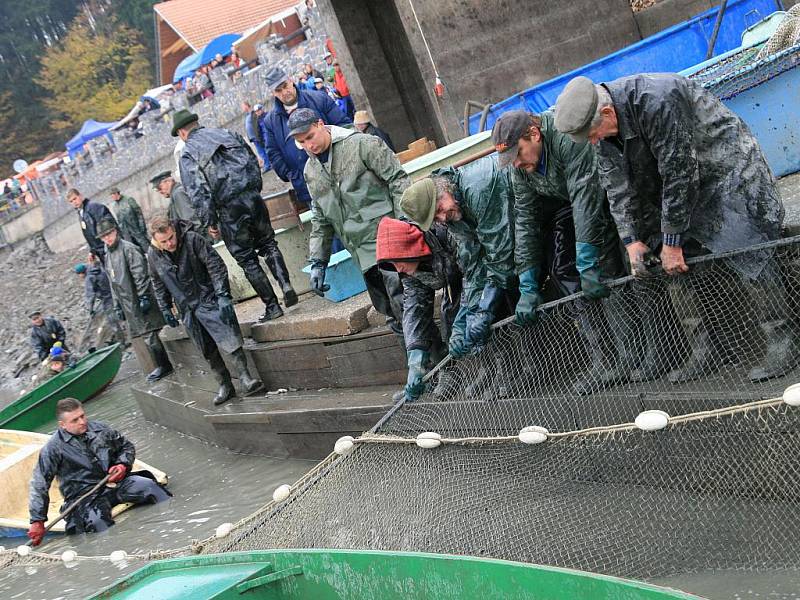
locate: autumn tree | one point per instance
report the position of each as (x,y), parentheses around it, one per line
(93,74)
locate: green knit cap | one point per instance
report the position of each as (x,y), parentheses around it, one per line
(419,202)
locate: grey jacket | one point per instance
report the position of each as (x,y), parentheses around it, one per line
(684,164)
(78,462)
(130,279)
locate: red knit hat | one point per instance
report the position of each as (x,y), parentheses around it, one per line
(399,240)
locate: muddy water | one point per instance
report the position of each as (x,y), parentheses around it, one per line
(211,485)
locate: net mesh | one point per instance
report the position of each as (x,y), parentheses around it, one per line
(713,490)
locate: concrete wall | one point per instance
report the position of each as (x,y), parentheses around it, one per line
(22,227)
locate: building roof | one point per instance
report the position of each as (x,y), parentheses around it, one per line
(200,21)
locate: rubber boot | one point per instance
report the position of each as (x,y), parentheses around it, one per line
(605,370)
(277,267)
(446,386)
(781,353)
(226,390)
(258,279)
(159,355)
(658,329)
(248,383)
(705,359)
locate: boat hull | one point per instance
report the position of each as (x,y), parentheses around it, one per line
(350,574)
(87,379)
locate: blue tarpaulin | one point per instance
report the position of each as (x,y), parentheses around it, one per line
(90,130)
(219,45)
(187,67)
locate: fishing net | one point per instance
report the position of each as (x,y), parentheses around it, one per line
(757,64)
(716,487)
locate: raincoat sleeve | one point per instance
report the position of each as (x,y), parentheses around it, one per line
(138,216)
(163,297)
(321,237)
(137,266)
(668,127)
(418,302)
(38,345)
(214,264)
(332,113)
(197,188)
(60,333)
(622,198)
(527,223)
(379,159)
(43,475)
(586,194)
(495,230)
(121,449)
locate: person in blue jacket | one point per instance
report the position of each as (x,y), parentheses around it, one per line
(285,157)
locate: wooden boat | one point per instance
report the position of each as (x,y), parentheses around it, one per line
(19,452)
(356,575)
(84,381)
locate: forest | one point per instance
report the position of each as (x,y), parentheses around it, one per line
(62,62)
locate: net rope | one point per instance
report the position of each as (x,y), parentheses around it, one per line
(717,487)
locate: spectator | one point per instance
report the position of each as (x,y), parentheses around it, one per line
(285,157)
(363,124)
(330,71)
(340,83)
(252,128)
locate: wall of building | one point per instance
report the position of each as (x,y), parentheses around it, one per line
(23,226)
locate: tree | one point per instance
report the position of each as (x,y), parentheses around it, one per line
(93,74)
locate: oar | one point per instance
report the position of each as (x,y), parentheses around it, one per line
(73,506)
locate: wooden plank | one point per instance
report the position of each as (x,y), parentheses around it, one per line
(304,357)
(364,344)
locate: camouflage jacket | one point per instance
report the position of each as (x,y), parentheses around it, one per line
(684,164)
(131,222)
(361,182)
(567,174)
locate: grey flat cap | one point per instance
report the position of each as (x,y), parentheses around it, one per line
(575,108)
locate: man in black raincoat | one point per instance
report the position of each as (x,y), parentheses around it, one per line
(45,331)
(90,214)
(133,294)
(223,180)
(685,176)
(97,293)
(186,269)
(80,454)
(476,203)
(180,207)
(427,262)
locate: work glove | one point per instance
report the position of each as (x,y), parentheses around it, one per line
(144,304)
(417,359)
(169,318)
(226,312)
(456,345)
(479,324)
(529,297)
(317,281)
(119,312)
(36,532)
(588,263)
(117,473)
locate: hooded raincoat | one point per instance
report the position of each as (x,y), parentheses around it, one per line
(127,271)
(361,182)
(683,164)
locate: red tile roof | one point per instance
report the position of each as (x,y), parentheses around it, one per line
(200,21)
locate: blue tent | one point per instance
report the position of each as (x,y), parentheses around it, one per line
(90,130)
(187,67)
(219,45)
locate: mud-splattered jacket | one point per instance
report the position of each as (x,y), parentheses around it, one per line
(683,164)
(567,174)
(43,338)
(361,183)
(79,462)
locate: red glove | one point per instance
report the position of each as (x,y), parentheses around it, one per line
(36,532)
(117,473)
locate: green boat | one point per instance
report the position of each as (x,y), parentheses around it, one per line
(84,381)
(368,575)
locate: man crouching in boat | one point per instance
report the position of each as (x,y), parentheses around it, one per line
(81,453)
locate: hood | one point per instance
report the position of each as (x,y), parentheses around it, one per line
(339,133)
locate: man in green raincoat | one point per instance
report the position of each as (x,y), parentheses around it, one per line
(130,219)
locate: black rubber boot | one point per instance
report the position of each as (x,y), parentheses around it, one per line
(705,360)
(781,354)
(606,370)
(446,386)
(277,267)
(226,390)
(258,279)
(159,355)
(248,383)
